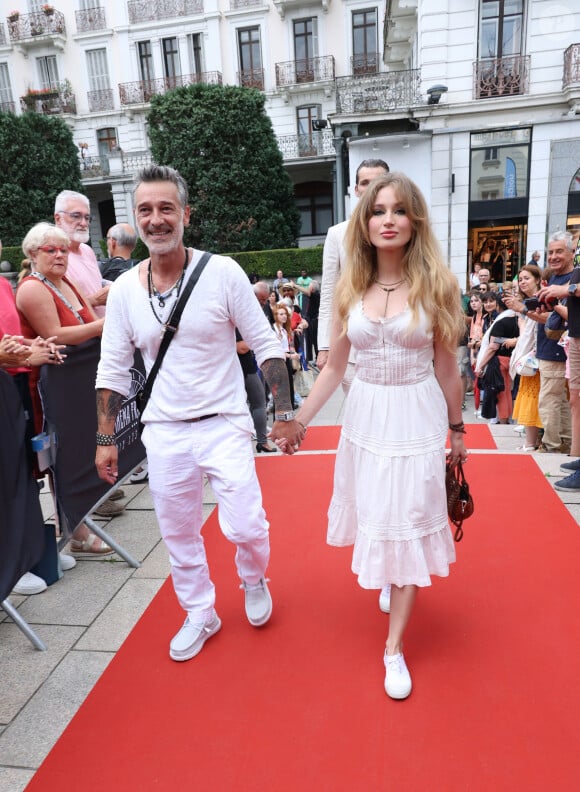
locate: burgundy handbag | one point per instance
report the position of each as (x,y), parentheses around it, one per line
(459,501)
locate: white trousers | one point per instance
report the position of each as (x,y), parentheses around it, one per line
(179,454)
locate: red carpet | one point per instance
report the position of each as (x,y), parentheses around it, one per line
(325,438)
(299,705)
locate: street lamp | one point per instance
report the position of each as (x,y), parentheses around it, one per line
(435,93)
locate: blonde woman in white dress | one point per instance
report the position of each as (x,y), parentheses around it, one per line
(399,306)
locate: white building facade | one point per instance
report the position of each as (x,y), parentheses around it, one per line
(477,100)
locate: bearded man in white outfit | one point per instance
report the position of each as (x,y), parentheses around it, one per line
(197,421)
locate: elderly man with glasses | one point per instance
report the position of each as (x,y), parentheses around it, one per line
(72,214)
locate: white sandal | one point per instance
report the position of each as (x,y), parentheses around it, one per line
(86,548)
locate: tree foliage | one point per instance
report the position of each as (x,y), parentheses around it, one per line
(222,142)
(38,159)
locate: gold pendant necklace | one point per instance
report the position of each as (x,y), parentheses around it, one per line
(388,288)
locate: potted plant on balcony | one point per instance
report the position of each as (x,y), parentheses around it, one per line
(48,9)
(14,16)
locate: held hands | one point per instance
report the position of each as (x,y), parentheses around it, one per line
(44,350)
(288,435)
(13,352)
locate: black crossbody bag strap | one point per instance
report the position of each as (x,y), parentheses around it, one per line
(170,329)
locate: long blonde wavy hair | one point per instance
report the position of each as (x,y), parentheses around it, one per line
(432,285)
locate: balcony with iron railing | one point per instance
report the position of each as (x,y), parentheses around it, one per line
(496,77)
(251,78)
(382,92)
(572,67)
(94,167)
(50,101)
(312,144)
(140,92)
(91,19)
(7,107)
(367,63)
(115,163)
(151,10)
(308,70)
(101,100)
(36,28)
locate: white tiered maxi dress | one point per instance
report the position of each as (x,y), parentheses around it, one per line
(389,481)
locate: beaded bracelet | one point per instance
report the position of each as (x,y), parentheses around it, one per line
(302,425)
(458,427)
(105,439)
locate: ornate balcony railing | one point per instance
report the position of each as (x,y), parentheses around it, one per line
(383,92)
(91,19)
(94,167)
(308,70)
(571,66)
(101,100)
(132,163)
(54,101)
(236,5)
(494,77)
(7,107)
(251,78)
(2,34)
(39,23)
(365,64)
(148,10)
(141,92)
(313,144)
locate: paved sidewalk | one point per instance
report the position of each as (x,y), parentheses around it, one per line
(85,617)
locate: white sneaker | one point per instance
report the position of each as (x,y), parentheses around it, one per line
(258,602)
(140,475)
(519,429)
(385,599)
(398,683)
(67,562)
(190,639)
(30,584)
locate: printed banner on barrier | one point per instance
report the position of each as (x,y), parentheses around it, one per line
(68,398)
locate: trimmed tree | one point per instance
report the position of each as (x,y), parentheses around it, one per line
(222,142)
(39,159)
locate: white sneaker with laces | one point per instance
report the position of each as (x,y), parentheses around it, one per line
(190,639)
(258,602)
(385,599)
(398,683)
(30,583)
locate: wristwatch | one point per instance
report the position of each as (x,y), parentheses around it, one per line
(572,288)
(284,416)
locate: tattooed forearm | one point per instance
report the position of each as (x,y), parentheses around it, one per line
(276,375)
(108,405)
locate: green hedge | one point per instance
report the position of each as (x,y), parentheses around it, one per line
(263,262)
(14,255)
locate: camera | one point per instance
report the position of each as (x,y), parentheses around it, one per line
(532,303)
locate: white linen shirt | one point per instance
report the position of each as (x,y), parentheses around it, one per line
(200,373)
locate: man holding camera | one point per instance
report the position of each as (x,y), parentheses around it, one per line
(553,403)
(571,293)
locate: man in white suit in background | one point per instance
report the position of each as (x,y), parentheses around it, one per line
(333,259)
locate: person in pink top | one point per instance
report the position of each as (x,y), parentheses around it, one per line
(72,214)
